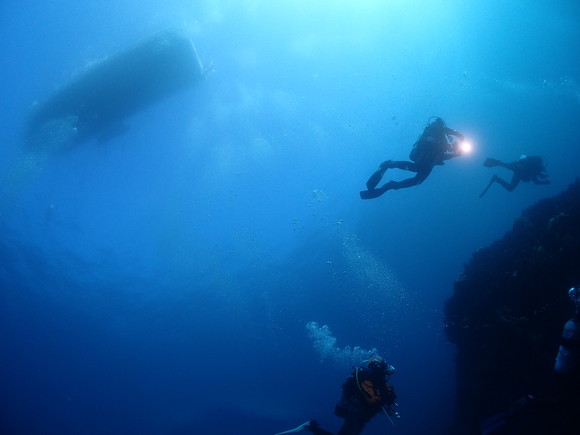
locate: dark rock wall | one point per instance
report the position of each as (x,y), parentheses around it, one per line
(508,309)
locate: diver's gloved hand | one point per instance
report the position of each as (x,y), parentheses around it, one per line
(391,412)
(394,413)
(456,148)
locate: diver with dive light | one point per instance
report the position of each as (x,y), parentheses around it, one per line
(434,146)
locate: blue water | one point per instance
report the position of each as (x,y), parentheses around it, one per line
(163,282)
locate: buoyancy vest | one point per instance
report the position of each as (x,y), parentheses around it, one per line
(431,144)
(530,167)
(371,392)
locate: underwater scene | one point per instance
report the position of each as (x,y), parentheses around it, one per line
(289,216)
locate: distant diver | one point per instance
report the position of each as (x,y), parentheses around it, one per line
(527,168)
(434,146)
(567,370)
(557,412)
(365,393)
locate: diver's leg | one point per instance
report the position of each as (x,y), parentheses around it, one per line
(309,426)
(422,174)
(375,193)
(511,166)
(315,428)
(388,164)
(351,426)
(391,185)
(490,163)
(401,164)
(508,186)
(376,177)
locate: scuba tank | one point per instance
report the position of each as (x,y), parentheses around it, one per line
(568,358)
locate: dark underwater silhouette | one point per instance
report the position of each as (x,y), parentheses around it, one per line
(96,102)
(506,316)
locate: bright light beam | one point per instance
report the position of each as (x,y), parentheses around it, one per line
(465,147)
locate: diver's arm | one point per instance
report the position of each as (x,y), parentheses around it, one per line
(450,155)
(388,395)
(454,133)
(454,150)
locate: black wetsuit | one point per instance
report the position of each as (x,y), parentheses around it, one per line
(432,148)
(555,413)
(530,168)
(356,406)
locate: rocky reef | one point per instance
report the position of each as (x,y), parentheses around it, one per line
(508,308)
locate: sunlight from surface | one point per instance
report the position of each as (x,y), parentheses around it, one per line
(174,253)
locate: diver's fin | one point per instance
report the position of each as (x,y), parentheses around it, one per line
(374,193)
(487,187)
(491,424)
(375,178)
(302,428)
(490,163)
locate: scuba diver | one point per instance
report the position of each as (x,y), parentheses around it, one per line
(567,370)
(434,146)
(527,168)
(556,413)
(365,393)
